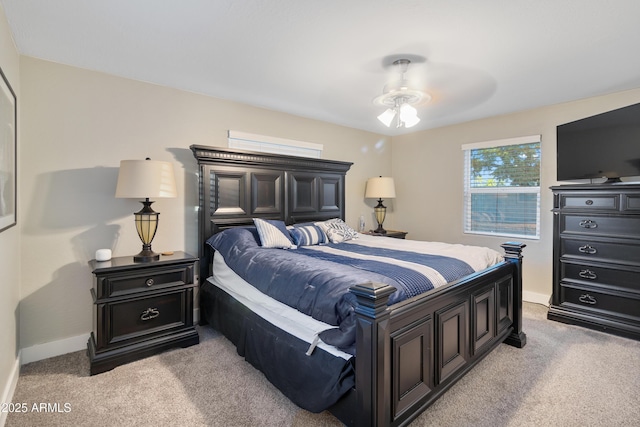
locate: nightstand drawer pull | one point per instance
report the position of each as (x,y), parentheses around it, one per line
(588,223)
(588,274)
(587,249)
(149,282)
(587,299)
(150,313)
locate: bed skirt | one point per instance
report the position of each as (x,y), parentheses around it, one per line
(314,382)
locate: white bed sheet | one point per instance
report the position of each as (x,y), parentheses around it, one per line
(477,257)
(281,315)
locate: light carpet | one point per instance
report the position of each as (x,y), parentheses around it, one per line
(564,376)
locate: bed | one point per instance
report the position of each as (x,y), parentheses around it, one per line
(392,356)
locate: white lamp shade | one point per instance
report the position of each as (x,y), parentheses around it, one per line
(380,188)
(387,117)
(141,179)
(411,121)
(409,115)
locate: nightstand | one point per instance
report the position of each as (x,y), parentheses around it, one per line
(141,308)
(390,233)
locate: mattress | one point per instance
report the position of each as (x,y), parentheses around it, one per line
(280,315)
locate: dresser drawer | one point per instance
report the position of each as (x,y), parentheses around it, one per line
(590,202)
(604,303)
(627,279)
(620,226)
(619,252)
(143,280)
(631,202)
(136,318)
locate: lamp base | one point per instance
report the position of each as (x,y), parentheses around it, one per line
(146,225)
(146,255)
(380,230)
(380,211)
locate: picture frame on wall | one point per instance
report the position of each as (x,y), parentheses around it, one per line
(8,154)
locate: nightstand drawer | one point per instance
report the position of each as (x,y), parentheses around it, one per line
(133,319)
(143,280)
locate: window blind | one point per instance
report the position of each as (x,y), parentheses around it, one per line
(502,187)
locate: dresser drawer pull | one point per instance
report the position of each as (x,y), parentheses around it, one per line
(588,223)
(149,282)
(588,274)
(587,249)
(587,299)
(150,313)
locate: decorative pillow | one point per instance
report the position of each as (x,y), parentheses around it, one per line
(273,234)
(337,230)
(324,225)
(308,235)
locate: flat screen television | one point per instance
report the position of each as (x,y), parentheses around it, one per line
(605,145)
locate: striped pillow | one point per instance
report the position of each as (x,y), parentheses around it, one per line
(308,235)
(273,234)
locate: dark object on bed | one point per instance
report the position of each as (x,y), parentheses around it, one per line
(409,353)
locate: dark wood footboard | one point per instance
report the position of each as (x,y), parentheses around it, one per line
(410,353)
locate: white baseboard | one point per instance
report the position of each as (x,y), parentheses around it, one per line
(536,298)
(53,348)
(10,388)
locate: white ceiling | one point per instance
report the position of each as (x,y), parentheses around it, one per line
(328,59)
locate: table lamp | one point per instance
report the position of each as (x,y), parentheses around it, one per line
(379,188)
(144,179)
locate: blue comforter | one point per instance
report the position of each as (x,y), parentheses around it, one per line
(317,282)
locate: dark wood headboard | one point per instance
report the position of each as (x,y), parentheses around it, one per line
(237,186)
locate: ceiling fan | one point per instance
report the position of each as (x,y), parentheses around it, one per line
(400,99)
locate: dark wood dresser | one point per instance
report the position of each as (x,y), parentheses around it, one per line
(596,257)
(140,309)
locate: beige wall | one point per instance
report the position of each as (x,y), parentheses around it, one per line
(9,243)
(77,126)
(427,167)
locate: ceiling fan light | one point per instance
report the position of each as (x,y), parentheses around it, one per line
(411,121)
(387,117)
(407,111)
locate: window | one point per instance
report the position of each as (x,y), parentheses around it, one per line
(502,187)
(270,144)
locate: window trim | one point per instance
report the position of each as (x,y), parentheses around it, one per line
(467,190)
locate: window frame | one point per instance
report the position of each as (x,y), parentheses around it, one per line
(468,191)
